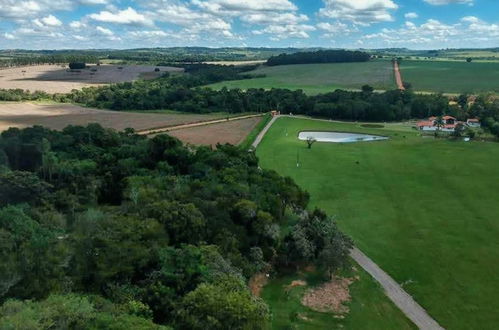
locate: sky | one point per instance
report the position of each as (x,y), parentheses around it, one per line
(122,24)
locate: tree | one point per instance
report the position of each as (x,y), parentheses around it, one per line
(77,65)
(310,141)
(367,89)
(227,304)
(469,59)
(22,187)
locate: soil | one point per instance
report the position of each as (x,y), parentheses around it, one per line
(233,132)
(58,116)
(257,282)
(329,297)
(59,79)
(398,76)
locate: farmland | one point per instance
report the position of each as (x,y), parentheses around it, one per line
(57,79)
(58,116)
(319,78)
(425,210)
(452,76)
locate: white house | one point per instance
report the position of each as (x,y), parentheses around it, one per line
(448,124)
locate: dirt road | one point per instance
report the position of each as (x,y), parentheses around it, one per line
(398,76)
(202,123)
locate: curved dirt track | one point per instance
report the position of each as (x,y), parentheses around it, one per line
(404,301)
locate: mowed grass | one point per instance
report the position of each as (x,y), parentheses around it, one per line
(369,308)
(452,76)
(319,78)
(427,211)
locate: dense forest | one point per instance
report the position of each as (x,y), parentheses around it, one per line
(320,56)
(105,229)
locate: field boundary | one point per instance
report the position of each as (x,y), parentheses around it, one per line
(403,300)
(398,75)
(197,124)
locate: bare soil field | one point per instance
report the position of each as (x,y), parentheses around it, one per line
(58,116)
(233,132)
(60,79)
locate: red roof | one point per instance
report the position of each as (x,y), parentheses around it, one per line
(474,120)
(450,126)
(432,118)
(425,123)
(448,117)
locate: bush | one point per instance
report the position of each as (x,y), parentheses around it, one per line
(77,65)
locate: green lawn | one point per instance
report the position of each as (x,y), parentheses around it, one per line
(369,307)
(319,78)
(427,211)
(452,76)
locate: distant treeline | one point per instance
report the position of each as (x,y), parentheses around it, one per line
(48,59)
(321,56)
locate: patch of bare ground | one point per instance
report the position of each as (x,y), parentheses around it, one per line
(59,79)
(257,282)
(330,297)
(233,132)
(58,116)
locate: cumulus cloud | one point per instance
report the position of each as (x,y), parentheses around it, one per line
(280,32)
(411,15)
(363,12)
(104,31)
(49,20)
(448,2)
(127,16)
(335,29)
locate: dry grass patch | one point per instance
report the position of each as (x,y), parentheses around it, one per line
(329,297)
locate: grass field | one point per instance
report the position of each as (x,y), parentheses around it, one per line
(452,76)
(426,210)
(369,307)
(319,78)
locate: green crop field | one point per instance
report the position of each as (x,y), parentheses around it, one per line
(319,78)
(426,210)
(452,76)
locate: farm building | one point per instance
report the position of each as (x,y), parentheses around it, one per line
(473,123)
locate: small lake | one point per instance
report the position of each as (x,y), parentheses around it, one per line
(338,137)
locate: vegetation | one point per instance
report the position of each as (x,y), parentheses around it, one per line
(320,56)
(145,230)
(318,78)
(77,65)
(452,76)
(422,208)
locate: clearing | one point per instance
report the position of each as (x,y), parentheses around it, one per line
(425,210)
(451,76)
(319,78)
(59,79)
(58,116)
(233,132)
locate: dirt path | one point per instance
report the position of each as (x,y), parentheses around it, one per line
(393,290)
(263,132)
(398,76)
(202,123)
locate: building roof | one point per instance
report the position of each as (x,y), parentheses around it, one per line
(432,118)
(425,123)
(448,117)
(473,120)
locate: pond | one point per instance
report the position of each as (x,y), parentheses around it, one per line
(338,137)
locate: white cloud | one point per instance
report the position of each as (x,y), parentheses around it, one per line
(128,16)
(51,20)
(411,15)
(238,6)
(274,18)
(279,32)
(335,29)
(148,34)
(448,2)
(9,36)
(77,25)
(104,31)
(363,12)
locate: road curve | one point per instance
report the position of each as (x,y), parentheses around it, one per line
(393,290)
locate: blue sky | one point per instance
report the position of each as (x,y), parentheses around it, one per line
(416,24)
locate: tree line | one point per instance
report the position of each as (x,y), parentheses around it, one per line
(105,229)
(320,56)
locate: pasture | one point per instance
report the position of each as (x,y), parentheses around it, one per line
(451,76)
(426,210)
(59,79)
(318,78)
